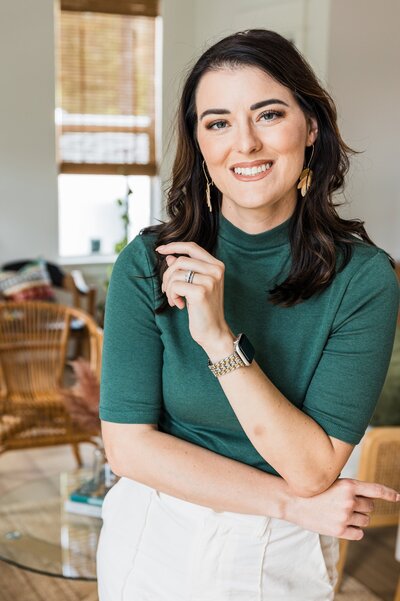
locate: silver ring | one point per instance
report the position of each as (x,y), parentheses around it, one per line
(189,276)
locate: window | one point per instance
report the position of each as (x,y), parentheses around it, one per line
(105,119)
(90,219)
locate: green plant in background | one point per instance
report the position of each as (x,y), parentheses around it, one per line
(119,246)
(124,203)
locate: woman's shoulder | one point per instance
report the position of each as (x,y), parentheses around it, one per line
(140,251)
(367,267)
(365,256)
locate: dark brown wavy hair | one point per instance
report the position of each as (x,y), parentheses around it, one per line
(317,232)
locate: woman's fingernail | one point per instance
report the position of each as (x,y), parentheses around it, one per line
(159,247)
(397,497)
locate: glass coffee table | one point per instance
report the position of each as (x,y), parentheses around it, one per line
(37,534)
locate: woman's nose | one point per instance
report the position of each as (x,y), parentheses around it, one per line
(247,140)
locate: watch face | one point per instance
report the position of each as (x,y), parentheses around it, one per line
(246,348)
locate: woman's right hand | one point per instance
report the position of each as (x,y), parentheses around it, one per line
(343,510)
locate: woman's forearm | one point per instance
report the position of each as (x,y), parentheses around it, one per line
(192,473)
(297,447)
(197,475)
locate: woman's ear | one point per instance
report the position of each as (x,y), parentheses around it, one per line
(312,130)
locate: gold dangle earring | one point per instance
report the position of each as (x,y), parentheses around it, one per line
(306,176)
(209,184)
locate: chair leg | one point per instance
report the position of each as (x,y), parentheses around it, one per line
(397,596)
(77,453)
(343,545)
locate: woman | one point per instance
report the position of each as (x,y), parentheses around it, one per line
(246,343)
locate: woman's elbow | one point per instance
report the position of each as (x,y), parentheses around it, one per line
(113,447)
(310,487)
(123,445)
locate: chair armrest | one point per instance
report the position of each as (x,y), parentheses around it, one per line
(75,283)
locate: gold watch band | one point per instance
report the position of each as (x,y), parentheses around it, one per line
(224,366)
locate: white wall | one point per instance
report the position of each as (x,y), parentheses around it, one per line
(306,22)
(178,50)
(363,73)
(28,184)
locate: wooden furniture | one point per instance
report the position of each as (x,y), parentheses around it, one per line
(83,295)
(33,343)
(379,462)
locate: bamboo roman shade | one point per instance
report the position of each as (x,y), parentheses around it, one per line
(106,86)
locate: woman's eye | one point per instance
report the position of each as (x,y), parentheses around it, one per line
(270,115)
(217,125)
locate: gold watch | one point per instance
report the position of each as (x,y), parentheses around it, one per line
(242,356)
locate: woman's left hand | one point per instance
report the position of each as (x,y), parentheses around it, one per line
(204,296)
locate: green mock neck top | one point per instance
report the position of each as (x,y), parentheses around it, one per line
(328,355)
(273,238)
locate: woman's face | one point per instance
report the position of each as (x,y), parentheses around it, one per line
(252,134)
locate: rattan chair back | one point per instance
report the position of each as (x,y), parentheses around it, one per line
(33,349)
(380,462)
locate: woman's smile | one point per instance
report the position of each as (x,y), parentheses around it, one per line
(252,171)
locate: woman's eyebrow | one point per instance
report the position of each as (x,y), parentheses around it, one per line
(254,107)
(259,105)
(214,112)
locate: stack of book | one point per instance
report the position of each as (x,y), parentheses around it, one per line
(88,498)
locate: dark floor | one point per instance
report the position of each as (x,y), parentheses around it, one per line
(372,562)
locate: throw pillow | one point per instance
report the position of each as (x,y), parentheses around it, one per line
(32,282)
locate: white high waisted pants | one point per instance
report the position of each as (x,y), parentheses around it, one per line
(154,547)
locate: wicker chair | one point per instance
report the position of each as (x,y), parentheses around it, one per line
(379,462)
(71,289)
(33,344)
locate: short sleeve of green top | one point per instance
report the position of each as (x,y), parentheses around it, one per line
(131,385)
(328,355)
